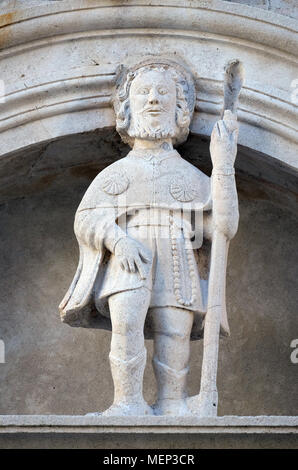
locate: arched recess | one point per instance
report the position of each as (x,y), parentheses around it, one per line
(59,62)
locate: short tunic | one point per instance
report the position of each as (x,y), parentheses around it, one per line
(172,273)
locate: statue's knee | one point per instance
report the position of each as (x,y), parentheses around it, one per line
(172,323)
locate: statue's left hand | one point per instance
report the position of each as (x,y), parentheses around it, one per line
(132,256)
(223,145)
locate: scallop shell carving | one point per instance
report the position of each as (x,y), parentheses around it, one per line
(182,191)
(115,184)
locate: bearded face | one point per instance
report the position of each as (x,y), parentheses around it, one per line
(153,106)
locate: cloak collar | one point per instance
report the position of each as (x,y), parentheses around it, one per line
(150,157)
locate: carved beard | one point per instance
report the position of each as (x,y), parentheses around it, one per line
(146,131)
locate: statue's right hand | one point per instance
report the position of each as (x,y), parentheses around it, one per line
(131,256)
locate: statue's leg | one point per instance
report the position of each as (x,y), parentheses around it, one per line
(128,354)
(172,328)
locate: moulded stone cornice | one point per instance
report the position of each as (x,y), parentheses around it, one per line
(95,91)
(33,431)
(39,101)
(215,17)
(173,424)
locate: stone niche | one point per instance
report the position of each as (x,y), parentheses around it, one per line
(53,368)
(58,131)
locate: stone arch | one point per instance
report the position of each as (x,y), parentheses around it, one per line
(65,57)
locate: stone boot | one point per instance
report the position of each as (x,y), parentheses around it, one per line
(128,387)
(171,397)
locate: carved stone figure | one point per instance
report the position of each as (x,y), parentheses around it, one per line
(144,228)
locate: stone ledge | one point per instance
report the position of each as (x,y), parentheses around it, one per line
(85,432)
(53,424)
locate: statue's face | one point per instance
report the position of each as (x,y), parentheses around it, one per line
(153,105)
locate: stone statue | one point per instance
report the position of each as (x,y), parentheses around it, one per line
(144,229)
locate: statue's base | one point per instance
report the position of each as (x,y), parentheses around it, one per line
(151,432)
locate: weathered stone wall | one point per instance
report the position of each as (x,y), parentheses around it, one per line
(282,7)
(52,368)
